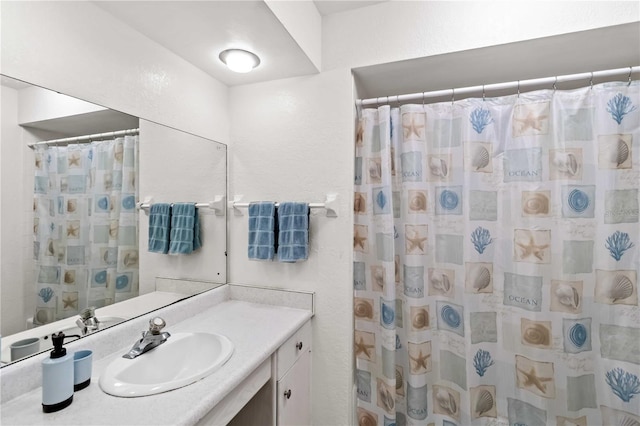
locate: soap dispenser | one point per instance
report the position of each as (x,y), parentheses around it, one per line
(57,377)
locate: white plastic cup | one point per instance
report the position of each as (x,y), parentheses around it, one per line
(82,369)
(24,347)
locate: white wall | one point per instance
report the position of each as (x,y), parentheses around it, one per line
(10,213)
(400,30)
(37,104)
(292,141)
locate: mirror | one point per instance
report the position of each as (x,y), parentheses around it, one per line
(172,166)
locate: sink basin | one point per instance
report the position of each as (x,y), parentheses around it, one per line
(183,359)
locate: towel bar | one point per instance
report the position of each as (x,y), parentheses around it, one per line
(217,205)
(330,205)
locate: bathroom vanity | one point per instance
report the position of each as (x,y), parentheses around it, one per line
(266,380)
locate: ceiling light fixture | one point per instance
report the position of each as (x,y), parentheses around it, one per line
(239,60)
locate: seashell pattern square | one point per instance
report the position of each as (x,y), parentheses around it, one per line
(385,396)
(479,277)
(450,317)
(615,151)
(566,296)
(440,167)
(479,157)
(381,200)
(536,333)
(576,335)
(446,401)
(621,206)
(374,170)
(417,201)
(420,319)
(616,287)
(578,201)
(483,401)
(360,203)
(448,200)
(378,278)
(442,282)
(565,164)
(536,203)
(363,309)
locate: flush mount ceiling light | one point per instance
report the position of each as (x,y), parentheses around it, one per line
(239,60)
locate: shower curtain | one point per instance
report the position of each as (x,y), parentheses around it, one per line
(85,226)
(496,260)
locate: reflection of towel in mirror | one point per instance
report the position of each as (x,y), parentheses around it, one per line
(159,227)
(293,235)
(185,229)
(262,230)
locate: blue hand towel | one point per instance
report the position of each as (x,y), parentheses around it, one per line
(159,227)
(185,229)
(262,230)
(293,235)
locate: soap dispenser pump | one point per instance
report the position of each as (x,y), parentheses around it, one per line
(57,377)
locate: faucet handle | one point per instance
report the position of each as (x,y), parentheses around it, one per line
(87,313)
(156,324)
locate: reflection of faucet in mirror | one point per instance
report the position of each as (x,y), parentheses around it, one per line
(150,339)
(88,322)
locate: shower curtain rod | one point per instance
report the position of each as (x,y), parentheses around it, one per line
(87,138)
(519,84)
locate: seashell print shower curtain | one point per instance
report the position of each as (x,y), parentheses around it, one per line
(496,260)
(85,226)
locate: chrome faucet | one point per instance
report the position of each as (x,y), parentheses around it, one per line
(150,339)
(88,323)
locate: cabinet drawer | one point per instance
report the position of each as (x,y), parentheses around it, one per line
(294,394)
(293,348)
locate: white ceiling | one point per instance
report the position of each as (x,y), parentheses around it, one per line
(198,31)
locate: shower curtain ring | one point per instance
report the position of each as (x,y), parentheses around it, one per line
(483,93)
(591,81)
(629,83)
(453,96)
(518,88)
(422,98)
(554,84)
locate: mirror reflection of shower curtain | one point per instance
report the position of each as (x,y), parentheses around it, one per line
(496,260)
(85,226)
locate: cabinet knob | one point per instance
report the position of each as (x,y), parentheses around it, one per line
(287,393)
(299,345)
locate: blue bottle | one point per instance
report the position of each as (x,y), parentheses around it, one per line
(57,377)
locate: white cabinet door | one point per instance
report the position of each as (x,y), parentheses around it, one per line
(294,394)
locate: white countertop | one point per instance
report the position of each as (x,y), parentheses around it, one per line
(256,330)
